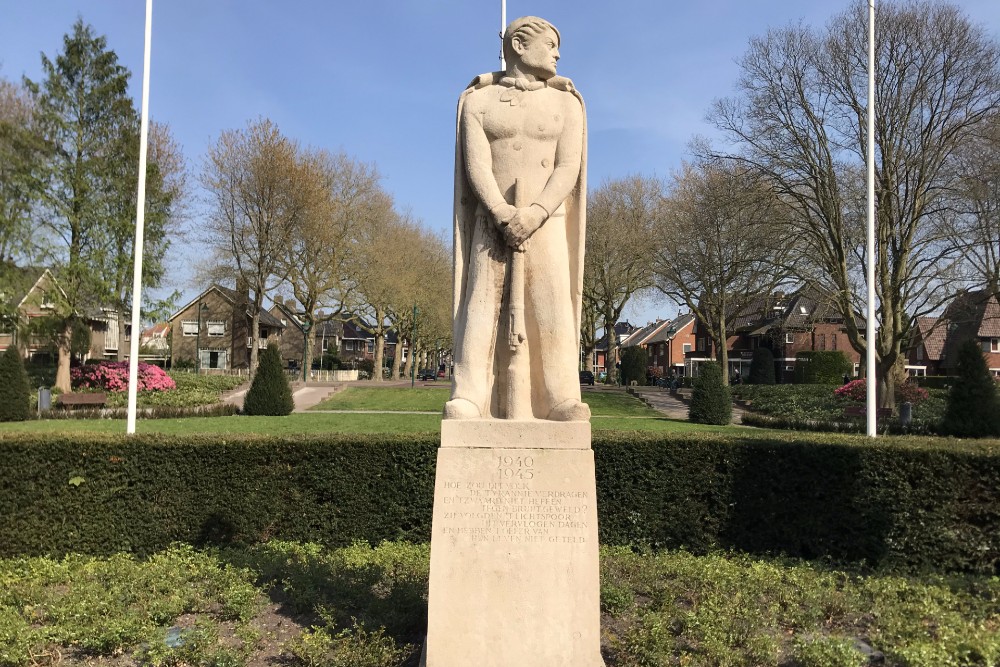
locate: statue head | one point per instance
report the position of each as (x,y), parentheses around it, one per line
(531,46)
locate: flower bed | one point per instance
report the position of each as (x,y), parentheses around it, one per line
(113,376)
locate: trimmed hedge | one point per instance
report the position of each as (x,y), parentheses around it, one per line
(15,404)
(711,401)
(918,503)
(269,393)
(761,367)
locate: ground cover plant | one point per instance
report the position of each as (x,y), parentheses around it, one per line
(822,406)
(190,391)
(308,605)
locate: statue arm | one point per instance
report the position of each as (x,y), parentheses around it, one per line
(479,165)
(568,158)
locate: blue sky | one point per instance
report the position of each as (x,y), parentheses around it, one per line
(379,79)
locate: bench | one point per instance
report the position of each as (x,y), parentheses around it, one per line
(861,411)
(82,400)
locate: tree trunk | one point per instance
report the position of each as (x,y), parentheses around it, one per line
(254,333)
(408,368)
(379,356)
(120,314)
(65,352)
(723,351)
(307,349)
(396,357)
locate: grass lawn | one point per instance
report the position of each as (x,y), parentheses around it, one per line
(432,399)
(305,605)
(304,423)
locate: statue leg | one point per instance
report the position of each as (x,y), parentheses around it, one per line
(476,327)
(553,338)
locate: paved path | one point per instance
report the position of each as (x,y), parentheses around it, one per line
(661,400)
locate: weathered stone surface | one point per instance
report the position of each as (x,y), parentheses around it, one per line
(514,559)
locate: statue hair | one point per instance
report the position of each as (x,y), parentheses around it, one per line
(525,28)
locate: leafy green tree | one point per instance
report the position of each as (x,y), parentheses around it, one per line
(87,120)
(14,389)
(711,402)
(634,362)
(973,404)
(761,367)
(269,393)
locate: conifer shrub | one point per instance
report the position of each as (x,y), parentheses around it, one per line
(711,402)
(761,367)
(270,393)
(973,405)
(15,391)
(634,365)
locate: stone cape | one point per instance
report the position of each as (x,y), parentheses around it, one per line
(465,207)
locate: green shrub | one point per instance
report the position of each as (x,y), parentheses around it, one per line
(822,367)
(634,362)
(935,381)
(916,502)
(761,367)
(973,405)
(711,402)
(15,392)
(269,393)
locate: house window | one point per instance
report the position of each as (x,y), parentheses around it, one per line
(920,352)
(789,338)
(687,347)
(822,341)
(216,329)
(214,359)
(701,344)
(371,346)
(189,328)
(789,368)
(349,345)
(995,345)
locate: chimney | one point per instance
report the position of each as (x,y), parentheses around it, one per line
(279,300)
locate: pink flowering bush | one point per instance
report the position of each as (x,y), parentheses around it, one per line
(907,392)
(853,390)
(113,376)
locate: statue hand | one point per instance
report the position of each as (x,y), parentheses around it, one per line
(524,223)
(504,214)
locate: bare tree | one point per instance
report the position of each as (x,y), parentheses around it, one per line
(800,120)
(259,192)
(975,229)
(620,228)
(340,194)
(719,241)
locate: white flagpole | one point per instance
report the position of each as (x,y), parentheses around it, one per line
(140,214)
(503,26)
(871,382)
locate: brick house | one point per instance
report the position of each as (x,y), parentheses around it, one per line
(31,293)
(970,316)
(669,345)
(327,335)
(786,325)
(598,359)
(927,346)
(212,332)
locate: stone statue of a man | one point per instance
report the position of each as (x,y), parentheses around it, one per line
(520,212)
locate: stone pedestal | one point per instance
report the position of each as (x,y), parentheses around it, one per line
(514,576)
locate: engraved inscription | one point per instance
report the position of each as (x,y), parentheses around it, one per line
(523,502)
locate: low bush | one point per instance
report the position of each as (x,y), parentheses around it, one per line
(113,376)
(711,402)
(920,503)
(761,367)
(634,362)
(14,390)
(821,367)
(973,403)
(269,393)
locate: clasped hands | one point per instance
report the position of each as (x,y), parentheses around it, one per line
(518,224)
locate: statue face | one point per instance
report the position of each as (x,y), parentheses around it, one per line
(539,55)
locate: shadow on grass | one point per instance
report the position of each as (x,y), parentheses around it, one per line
(384,587)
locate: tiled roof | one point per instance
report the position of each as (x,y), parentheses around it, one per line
(933,332)
(965,317)
(668,332)
(641,335)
